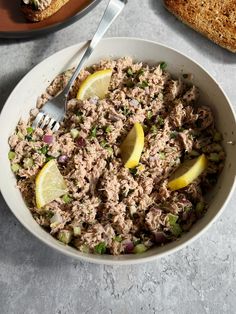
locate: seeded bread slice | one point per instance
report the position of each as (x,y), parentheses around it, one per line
(36,15)
(216,19)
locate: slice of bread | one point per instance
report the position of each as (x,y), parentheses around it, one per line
(216,19)
(34,15)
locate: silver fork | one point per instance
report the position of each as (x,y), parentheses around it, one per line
(54,109)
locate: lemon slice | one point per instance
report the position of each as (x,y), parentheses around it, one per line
(95,84)
(131,148)
(187,172)
(49,184)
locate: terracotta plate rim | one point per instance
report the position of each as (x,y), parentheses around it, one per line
(51,28)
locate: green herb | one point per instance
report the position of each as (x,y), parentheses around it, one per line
(66,198)
(163,65)
(49,214)
(48,158)
(162,155)
(154,129)
(118,238)
(103,143)
(29,138)
(133,171)
(15,167)
(173,134)
(159,120)
(100,248)
(143,84)
(79,113)
(108,129)
(139,248)
(11,155)
(93,132)
(149,115)
(126,111)
(140,72)
(43,150)
(29,130)
(129,72)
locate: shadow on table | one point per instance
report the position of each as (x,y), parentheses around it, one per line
(18,247)
(198,41)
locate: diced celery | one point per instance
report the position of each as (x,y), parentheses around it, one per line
(174,226)
(77,231)
(214,157)
(154,129)
(15,167)
(84,248)
(108,129)
(74,133)
(217,137)
(110,150)
(28,163)
(139,248)
(65,236)
(20,135)
(200,207)
(11,155)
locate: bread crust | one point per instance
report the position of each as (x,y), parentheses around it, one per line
(216,19)
(37,15)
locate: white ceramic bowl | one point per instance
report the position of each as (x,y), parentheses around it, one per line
(24,96)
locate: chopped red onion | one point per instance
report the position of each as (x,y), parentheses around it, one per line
(80,141)
(47,138)
(160,237)
(62,159)
(128,246)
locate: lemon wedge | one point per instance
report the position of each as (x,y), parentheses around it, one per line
(95,84)
(49,184)
(131,148)
(187,172)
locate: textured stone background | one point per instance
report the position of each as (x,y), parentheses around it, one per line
(198,279)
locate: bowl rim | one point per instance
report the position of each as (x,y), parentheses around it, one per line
(92,258)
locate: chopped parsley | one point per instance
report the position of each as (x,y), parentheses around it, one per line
(43,150)
(154,129)
(93,132)
(29,130)
(159,120)
(133,171)
(100,248)
(129,72)
(143,84)
(163,65)
(173,134)
(108,129)
(66,198)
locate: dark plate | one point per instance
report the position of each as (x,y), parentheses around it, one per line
(14,25)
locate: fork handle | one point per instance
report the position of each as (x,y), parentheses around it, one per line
(113,9)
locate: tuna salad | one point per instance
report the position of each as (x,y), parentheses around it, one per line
(108,208)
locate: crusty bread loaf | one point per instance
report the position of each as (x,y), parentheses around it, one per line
(215,19)
(37,15)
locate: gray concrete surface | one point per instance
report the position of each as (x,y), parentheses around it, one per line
(198,279)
